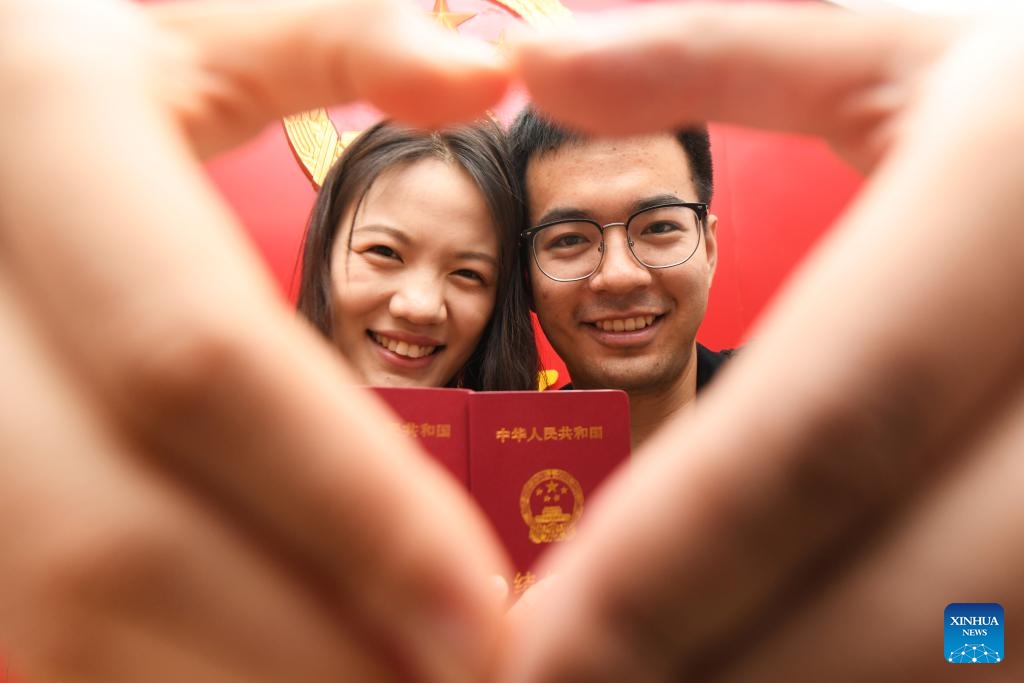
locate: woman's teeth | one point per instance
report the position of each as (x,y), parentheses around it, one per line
(402,348)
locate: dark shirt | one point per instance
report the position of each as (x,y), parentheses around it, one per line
(708,363)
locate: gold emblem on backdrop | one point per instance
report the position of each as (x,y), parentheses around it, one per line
(317,142)
(551,503)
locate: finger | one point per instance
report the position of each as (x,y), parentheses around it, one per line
(112,572)
(532,598)
(159,304)
(880,618)
(228,68)
(795,68)
(856,387)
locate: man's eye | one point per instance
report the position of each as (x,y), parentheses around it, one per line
(567,242)
(661,228)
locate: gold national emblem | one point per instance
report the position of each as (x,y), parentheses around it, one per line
(317,142)
(551,503)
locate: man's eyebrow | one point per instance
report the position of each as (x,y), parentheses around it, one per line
(563,213)
(566,213)
(655,200)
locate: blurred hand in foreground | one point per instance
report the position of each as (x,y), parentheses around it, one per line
(854,470)
(189,489)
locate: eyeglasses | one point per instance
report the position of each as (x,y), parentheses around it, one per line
(659,236)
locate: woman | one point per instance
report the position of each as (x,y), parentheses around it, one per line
(409,260)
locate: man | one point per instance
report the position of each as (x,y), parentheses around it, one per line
(622,314)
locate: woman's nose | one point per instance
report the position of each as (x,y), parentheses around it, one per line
(419,299)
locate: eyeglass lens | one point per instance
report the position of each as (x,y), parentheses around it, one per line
(659,237)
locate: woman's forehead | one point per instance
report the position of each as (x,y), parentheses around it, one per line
(428,199)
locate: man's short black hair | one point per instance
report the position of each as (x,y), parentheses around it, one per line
(532,135)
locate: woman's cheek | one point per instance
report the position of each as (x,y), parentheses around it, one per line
(483,307)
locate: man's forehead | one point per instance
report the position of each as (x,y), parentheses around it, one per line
(601,176)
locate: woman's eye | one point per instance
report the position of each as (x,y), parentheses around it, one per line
(386,252)
(470,275)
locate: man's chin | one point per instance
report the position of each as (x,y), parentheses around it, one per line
(639,380)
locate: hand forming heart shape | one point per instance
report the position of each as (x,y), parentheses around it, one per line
(180,504)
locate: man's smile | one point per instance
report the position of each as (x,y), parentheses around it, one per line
(624,324)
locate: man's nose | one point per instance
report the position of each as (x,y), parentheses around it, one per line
(619,270)
(420,299)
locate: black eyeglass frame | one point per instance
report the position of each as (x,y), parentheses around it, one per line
(700,208)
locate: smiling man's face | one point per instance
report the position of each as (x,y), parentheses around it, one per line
(588,321)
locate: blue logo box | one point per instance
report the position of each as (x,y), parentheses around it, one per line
(974,633)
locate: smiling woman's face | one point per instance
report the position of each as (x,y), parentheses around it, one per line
(414,287)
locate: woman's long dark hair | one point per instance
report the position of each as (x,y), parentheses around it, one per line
(505,358)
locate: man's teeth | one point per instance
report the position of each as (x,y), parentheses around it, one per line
(625,324)
(402,348)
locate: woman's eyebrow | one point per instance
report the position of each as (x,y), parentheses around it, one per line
(386,229)
(477,256)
